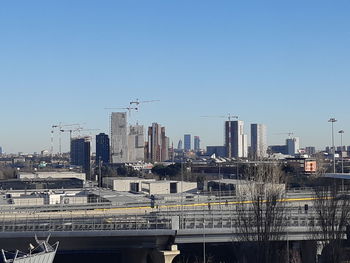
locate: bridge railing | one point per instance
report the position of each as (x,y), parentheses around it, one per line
(229,220)
(107,223)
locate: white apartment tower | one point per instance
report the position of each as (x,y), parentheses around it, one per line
(235,140)
(258,141)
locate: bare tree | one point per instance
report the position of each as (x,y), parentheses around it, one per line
(260,213)
(332,208)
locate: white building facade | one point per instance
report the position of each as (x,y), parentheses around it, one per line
(258,141)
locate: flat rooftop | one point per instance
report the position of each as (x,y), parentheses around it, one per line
(128,178)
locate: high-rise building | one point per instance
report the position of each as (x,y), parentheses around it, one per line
(235,139)
(258,141)
(102,148)
(80,153)
(136,143)
(165,146)
(179,145)
(119,137)
(187,142)
(154,143)
(310,150)
(292,146)
(158,144)
(197,143)
(0,150)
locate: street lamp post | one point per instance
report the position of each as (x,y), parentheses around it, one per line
(333,120)
(341,146)
(219,187)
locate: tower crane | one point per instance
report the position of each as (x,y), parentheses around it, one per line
(229,117)
(283,133)
(125,108)
(79,129)
(138,102)
(60,126)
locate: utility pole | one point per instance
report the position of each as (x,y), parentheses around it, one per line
(99,177)
(99,172)
(333,120)
(204,245)
(341,146)
(220,191)
(182,180)
(342,160)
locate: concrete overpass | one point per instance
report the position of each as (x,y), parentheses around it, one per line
(140,236)
(152,232)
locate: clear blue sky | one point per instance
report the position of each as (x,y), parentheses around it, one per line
(282,63)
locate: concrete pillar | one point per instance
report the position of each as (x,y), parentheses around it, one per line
(165,256)
(319,249)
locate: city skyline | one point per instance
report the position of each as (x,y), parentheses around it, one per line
(283,138)
(273,63)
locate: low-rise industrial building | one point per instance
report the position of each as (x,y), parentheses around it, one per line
(40,183)
(46,198)
(124,184)
(168,187)
(56,175)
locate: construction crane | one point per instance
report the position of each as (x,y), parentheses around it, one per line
(60,126)
(229,117)
(138,102)
(79,129)
(283,133)
(125,108)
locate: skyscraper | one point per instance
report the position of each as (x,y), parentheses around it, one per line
(197,143)
(154,143)
(102,148)
(0,150)
(179,145)
(119,138)
(235,139)
(136,143)
(80,153)
(187,142)
(165,146)
(158,144)
(258,141)
(292,146)
(310,150)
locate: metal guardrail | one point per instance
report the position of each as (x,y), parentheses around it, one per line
(109,222)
